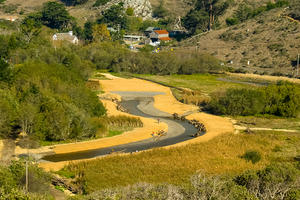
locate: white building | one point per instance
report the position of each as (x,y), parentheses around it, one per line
(66,36)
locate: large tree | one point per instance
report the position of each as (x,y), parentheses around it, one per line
(55,15)
(115,16)
(31,26)
(204,15)
(100,33)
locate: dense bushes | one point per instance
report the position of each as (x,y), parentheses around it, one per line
(49,102)
(113,57)
(281,99)
(238,102)
(44,93)
(12,182)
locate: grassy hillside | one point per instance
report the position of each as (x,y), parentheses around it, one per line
(86,11)
(270,42)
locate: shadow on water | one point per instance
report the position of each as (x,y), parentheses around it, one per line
(132,106)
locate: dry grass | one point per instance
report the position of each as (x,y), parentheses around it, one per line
(256,77)
(174,7)
(272,122)
(250,41)
(175,165)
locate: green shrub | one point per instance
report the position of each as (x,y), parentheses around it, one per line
(238,102)
(253,156)
(232,21)
(281,99)
(130,11)
(100,2)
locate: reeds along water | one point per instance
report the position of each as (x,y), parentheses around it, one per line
(194,97)
(123,121)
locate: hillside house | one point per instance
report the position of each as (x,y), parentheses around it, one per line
(66,37)
(157,36)
(150,30)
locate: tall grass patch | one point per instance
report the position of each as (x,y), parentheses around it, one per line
(221,155)
(116,125)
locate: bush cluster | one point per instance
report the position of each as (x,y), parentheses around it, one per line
(253,156)
(113,57)
(45,95)
(281,99)
(12,182)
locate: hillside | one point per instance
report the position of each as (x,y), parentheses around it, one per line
(86,11)
(270,42)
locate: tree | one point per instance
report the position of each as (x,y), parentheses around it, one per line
(74,2)
(88,31)
(213,7)
(31,27)
(5,71)
(100,33)
(196,20)
(114,16)
(205,13)
(54,15)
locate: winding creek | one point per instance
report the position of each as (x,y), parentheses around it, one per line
(139,104)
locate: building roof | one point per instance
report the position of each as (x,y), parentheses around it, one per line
(65,36)
(150,29)
(161,32)
(165,38)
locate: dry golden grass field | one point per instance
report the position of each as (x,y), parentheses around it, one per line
(221,155)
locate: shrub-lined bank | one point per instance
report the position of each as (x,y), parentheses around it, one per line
(281,99)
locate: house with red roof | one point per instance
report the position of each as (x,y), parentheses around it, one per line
(157,36)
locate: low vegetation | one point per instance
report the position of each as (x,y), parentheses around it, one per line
(222,157)
(253,156)
(275,181)
(115,125)
(281,99)
(12,182)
